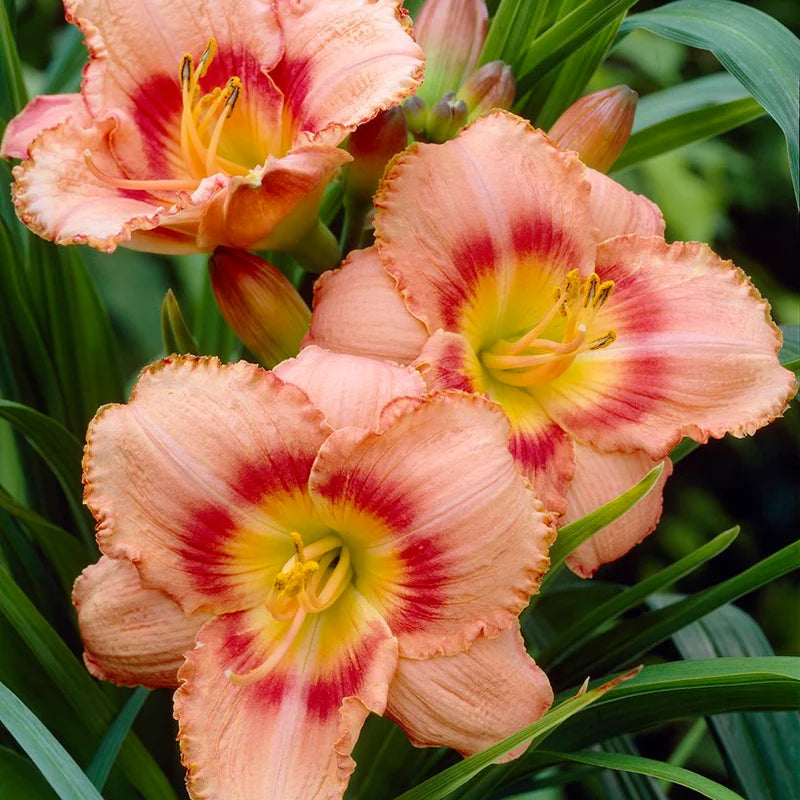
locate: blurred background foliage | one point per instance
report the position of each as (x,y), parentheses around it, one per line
(733,191)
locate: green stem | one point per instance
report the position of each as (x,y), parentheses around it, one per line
(318,250)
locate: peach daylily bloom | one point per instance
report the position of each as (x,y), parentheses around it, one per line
(206,125)
(505,267)
(335,541)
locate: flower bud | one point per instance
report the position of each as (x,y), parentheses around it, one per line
(452,33)
(490,86)
(447,118)
(597,126)
(260,304)
(416,111)
(175,333)
(372,145)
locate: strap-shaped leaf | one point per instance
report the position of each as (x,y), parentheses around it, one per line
(573,636)
(57,766)
(93,710)
(514,25)
(755,48)
(12,85)
(648,766)
(19,778)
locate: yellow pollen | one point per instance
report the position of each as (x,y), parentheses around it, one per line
(536,358)
(311,581)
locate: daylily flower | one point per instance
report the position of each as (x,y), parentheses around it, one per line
(504,267)
(335,541)
(208,125)
(452,34)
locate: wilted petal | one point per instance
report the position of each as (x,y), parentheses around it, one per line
(500,239)
(344,61)
(471,700)
(260,304)
(131,635)
(350,391)
(289,735)
(599,478)
(41,114)
(192,477)
(437,509)
(695,353)
(358,310)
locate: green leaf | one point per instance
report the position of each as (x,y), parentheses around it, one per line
(106,754)
(65,554)
(93,710)
(755,48)
(574,635)
(20,780)
(710,90)
(758,748)
(790,352)
(175,333)
(61,772)
(69,58)
(685,129)
(685,689)
(631,638)
(562,39)
(651,767)
(453,777)
(12,85)
(572,535)
(59,448)
(514,25)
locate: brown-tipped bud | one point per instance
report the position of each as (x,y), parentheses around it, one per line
(447,118)
(452,33)
(260,304)
(372,145)
(416,111)
(597,126)
(490,86)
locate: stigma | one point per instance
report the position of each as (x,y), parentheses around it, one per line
(310,582)
(547,350)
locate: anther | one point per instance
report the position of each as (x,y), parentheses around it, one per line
(187,68)
(591,289)
(603,293)
(603,341)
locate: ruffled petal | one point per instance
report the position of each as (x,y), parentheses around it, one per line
(41,114)
(289,735)
(599,478)
(275,206)
(136,54)
(498,240)
(59,198)
(616,211)
(358,310)
(448,541)
(131,635)
(349,390)
(200,478)
(344,62)
(695,353)
(542,450)
(471,700)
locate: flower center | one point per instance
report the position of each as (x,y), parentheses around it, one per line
(203,117)
(312,580)
(536,358)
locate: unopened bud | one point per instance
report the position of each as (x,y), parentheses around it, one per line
(447,118)
(452,33)
(260,304)
(597,126)
(372,145)
(175,332)
(416,111)
(490,86)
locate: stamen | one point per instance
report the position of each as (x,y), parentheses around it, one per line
(591,289)
(141,185)
(287,640)
(603,293)
(604,341)
(231,93)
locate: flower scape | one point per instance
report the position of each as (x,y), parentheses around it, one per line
(358,529)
